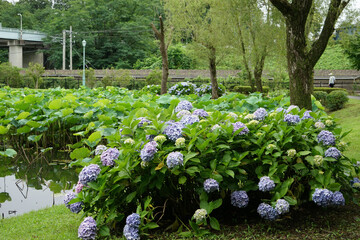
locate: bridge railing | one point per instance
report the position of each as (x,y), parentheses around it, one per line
(18,30)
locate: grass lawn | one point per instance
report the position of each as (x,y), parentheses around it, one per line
(307,222)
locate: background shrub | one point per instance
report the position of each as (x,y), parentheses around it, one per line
(247,89)
(155,89)
(328,89)
(321,96)
(154,77)
(336,100)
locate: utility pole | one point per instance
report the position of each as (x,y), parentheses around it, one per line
(64,50)
(71,63)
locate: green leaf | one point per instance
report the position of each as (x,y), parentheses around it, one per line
(304,153)
(95,137)
(130,197)
(55,104)
(3,130)
(151,225)
(8,153)
(215,204)
(23,115)
(192,170)
(290,200)
(67,111)
(230,173)
(34,138)
(104,231)
(182,180)
(80,153)
(214,223)
(33,124)
(24,129)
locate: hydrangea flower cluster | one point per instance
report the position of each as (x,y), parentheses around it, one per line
(326,138)
(201,113)
(180,142)
(211,185)
(253,122)
(282,206)
(270,146)
(232,115)
(260,114)
(108,156)
(216,126)
(150,137)
(239,125)
(239,199)
(329,122)
(291,153)
(148,151)
(318,160)
(319,125)
(174,159)
(183,113)
(325,198)
(74,207)
(200,214)
(355,183)
(129,141)
(291,119)
(189,119)
(174,130)
(143,121)
(266,184)
(333,152)
(291,107)
(267,212)
(183,105)
(131,229)
(79,186)
(87,229)
(250,116)
(89,174)
(100,149)
(207,89)
(280,109)
(182,88)
(306,115)
(160,138)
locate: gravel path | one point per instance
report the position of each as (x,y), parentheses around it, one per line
(354,97)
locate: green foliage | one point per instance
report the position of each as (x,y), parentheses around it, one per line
(321,96)
(33,73)
(328,89)
(336,100)
(247,89)
(9,75)
(154,77)
(154,89)
(334,58)
(352,50)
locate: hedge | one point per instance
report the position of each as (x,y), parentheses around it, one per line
(247,89)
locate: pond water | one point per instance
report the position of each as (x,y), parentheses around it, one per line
(25,187)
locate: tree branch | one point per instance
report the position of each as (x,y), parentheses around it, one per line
(283,6)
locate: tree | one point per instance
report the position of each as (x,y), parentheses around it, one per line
(352,50)
(34,72)
(301,55)
(163,50)
(10,75)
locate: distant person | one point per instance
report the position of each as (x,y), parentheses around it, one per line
(332,80)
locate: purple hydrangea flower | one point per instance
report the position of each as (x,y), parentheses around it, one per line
(282,206)
(100,149)
(322,197)
(108,157)
(333,152)
(201,113)
(79,186)
(131,233)
(326,138)
(183,105)
(150,137)
(68,197)
(189,119)
(239,199)
(260,114)
(337,199)
(291,107)
(280,109)
(239,125)
(211,185)
(89,174)
(143,121)
(133,220)
(174,130)
(291,119)
(183,113)
(307,115)
(267,212)
(174,159)
(87,229)
(148,152)
(266,184)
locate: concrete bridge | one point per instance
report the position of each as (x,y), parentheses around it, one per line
(23,46)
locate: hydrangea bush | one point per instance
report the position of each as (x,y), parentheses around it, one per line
(198,167)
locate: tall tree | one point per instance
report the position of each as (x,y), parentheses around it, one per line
(301,55)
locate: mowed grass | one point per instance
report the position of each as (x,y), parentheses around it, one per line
(349,119)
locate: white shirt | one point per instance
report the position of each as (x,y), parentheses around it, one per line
(332,80)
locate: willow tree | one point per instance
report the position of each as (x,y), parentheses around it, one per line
(202,22)
(302,55)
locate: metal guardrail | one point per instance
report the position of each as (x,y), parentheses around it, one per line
(24,31)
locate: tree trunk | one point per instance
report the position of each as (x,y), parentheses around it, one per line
(259,70)
(212,67)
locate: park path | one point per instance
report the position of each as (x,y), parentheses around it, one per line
(355,97)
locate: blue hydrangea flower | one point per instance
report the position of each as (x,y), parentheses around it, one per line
(174,159)
(291,107)
(148,151)
(239,125)
(333,152)
(150,137)
(211,185)
(239,199)
(108,156)
(266,184)
(260,114)
(282,206)
(183,113)
(306,115)
(183,105)
(201,113)
(133,220)
(280,109)
(89,174)
(74,207)
(337,199)
(189,119)
(173,130)
(100,149)
(87,229)
(143,121)
(267,212)
(322,197)
(131,233)
(291,119)
(326,138)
